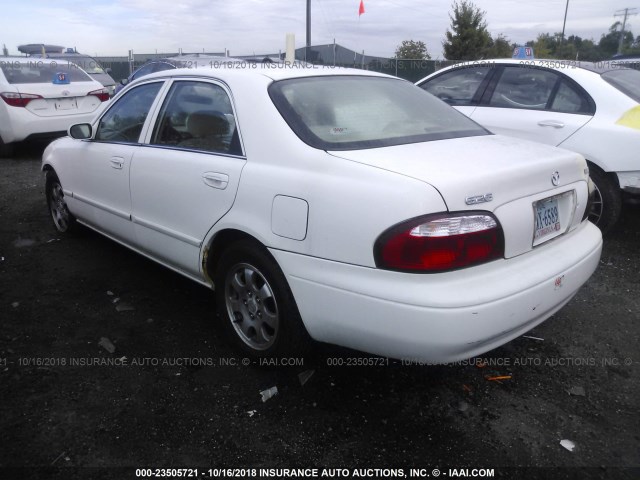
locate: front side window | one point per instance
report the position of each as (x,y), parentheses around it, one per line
(457,86)
(197,116)
(356,112)
(123,121)
(524,87)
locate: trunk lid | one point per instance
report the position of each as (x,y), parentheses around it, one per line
(61,100)
(503,175)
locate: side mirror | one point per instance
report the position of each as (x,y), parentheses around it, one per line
(108,70)
(80,131)
(124,81)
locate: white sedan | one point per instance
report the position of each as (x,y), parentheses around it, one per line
(336,205)
(41,98)
(589,108)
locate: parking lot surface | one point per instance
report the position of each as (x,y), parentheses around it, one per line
(111,361)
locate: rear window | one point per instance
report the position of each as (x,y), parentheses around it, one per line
(627,81)
(88,64)
(356,112)
(36,71)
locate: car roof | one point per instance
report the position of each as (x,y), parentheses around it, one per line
(26,59)
(274,71)
(199,60)
(552,63)
(68,55)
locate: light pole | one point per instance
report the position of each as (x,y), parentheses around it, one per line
(564,23)
(308,23)
(308,47)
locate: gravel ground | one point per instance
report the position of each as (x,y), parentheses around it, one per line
(183,399)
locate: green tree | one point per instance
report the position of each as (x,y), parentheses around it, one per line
(572,48)
(608,44)
(566,51)
(499,47)
(468,38)
(544,46)
(412,50)
(586,49)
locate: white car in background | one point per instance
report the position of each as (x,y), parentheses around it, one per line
(589,108)
(333,204)
(41,98)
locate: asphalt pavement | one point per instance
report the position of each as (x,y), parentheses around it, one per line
(110,364)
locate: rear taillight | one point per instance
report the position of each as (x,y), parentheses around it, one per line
(18,99)
(440,242)
(102,94)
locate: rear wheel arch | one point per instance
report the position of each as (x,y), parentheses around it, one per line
(218,244)
(241,266)
(607,203)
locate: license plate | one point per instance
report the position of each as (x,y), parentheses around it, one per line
(547,216)
(66,104)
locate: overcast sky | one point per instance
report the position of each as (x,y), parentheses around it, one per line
(246,27)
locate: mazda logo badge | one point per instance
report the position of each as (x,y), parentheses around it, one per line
(555,179)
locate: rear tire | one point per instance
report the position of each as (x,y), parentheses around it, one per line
(607,200)
(256,305)
(62,218)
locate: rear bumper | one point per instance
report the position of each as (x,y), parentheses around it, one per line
(20,124)
(442,317)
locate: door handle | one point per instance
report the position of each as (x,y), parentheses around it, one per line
(551,123)
(216,180)
(117,162)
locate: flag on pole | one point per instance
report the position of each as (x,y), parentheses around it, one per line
(361,10)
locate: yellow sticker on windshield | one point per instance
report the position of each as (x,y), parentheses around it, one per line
(631,118)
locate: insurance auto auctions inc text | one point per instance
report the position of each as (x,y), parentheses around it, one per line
(374,472)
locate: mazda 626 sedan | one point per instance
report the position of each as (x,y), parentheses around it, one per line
(332,205)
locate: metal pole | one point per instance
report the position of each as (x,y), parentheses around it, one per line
(565,22)
(308,23)
(624,24)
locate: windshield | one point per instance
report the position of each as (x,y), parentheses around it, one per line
(627,81)
(356,112)
(37,71)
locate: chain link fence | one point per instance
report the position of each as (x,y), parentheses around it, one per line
(333,55)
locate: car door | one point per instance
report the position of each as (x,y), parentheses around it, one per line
(102,185)
(185,178)
(460,87)
(534,103)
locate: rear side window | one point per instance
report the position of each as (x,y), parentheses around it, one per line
(532,88)
(627,81)
(36,71)
(569,99)
(197,116)
(458,86)
(528,88)
(355,112)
